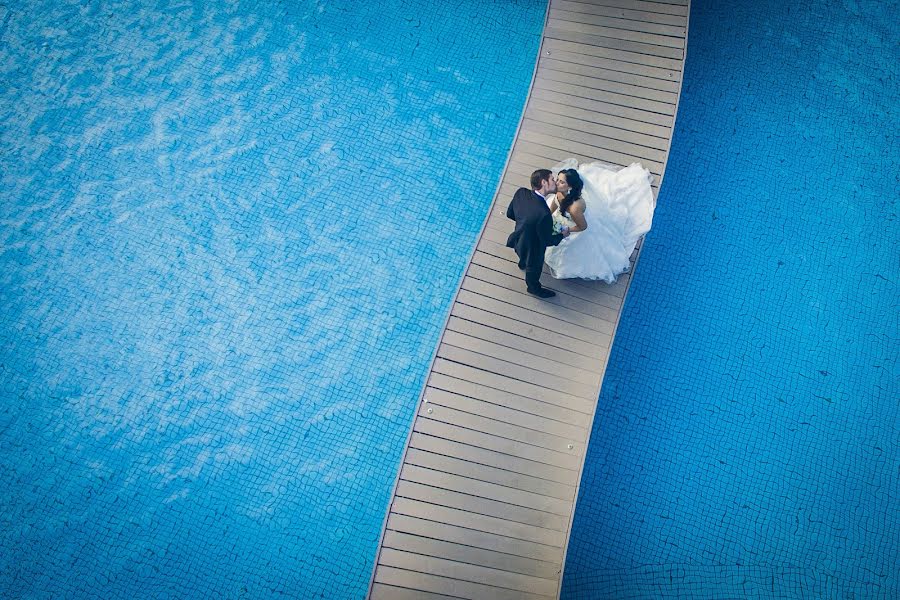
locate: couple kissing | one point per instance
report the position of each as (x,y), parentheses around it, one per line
(584,223)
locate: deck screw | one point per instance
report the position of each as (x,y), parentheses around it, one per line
(571,446)
(430,410)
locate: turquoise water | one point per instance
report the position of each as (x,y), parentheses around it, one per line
(229,235)
(747,441)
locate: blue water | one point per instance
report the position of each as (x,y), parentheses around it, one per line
(747,441)
(229,236)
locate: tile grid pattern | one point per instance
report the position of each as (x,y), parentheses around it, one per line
(747,438)
(485,495)
(227,248)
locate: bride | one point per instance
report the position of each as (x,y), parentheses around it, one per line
(607,210)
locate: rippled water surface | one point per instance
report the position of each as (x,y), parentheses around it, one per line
(747,442)
(229,234)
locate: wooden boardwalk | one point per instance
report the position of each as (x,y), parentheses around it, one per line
(484,500)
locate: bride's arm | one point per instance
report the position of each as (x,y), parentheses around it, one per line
(576,211)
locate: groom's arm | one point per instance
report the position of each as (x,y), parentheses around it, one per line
(545,231)
(520,195)
(510,211)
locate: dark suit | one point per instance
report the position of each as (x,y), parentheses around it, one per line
(532,235)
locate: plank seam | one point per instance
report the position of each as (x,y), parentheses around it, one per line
(656,12)
(499,587)
(563,438)
(540,462)
(485,480)
(512,537)
(562,295)
(471,495)
(487,465)
(474,548)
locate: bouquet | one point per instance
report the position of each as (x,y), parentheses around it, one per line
(560,222)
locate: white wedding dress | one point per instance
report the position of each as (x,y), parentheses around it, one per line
(619,207)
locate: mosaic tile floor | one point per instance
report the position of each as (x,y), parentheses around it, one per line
(747,443)
(229,234)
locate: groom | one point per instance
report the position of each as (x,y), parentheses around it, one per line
(534,229)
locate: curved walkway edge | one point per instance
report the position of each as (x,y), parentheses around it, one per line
(485,496)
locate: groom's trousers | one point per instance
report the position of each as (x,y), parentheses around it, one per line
(533,276)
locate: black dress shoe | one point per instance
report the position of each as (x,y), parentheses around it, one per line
(521,267)
(542,293)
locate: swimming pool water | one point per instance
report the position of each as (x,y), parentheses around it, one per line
(229,235)
(747,440)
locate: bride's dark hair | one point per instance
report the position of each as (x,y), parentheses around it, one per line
(575,185)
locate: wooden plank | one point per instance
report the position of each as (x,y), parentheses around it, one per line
(596,350)
(474,538)
(514,386)
(612,152)
(443,585)
(492,458)
(468,554)
(565,31)
(468,572)
(517,172)
(565,299)
(556,145)
(609,28)
(613,92)
(487,490)
(506,191)
(489,246)
(660,90)
(524,154)
(509,479)
(506,399)
(584,148)
(592,290)
(562,355)
(552,157)
(540,318)
(553,45)
(635,18)
(502,252)
(620,137)
(595,294)
(496,443)
(587,87)
(453,516)
(483,424)
(381,591)
(479,506)
(562,309)
(465,380)
(529,156)
(468,501)
(521,358)
(585,136)
(668,8)
(556,410)
(628,25)
(628,72)
(511,370)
